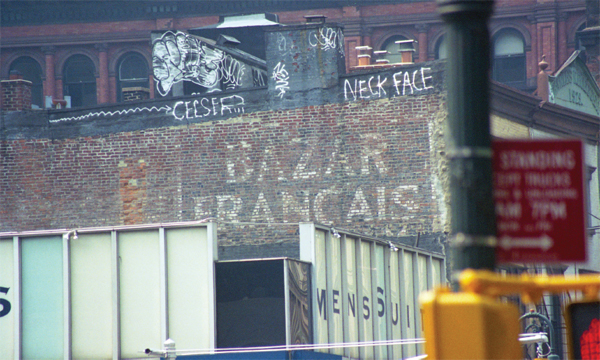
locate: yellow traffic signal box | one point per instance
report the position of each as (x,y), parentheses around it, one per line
(470,326)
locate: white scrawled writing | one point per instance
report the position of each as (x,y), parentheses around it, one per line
(281,77)
(403,82)
(204,107)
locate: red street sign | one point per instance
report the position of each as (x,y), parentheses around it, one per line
(539,199)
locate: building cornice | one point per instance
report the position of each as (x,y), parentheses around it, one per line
(43,12)
(531,111)
(92,39)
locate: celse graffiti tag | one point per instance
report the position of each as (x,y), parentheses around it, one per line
(205,107)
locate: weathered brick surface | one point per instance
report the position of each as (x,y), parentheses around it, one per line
(367,162)
(16,95)
(548,27)
(136,93)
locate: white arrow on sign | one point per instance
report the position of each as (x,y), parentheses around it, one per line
(543,242)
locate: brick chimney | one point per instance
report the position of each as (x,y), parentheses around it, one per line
(16,93)
(136,93)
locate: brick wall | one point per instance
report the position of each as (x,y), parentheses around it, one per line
(16,94)
(364,25)
(366,165)
(136,93)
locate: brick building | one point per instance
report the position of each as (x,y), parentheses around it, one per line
(325,146)
(329,165)
(292,138)
(91,51)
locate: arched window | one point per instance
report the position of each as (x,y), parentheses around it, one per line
(32,71)
(132,71)
(393,49)
(79,81)
(578,37)
(441,48)
(509,58)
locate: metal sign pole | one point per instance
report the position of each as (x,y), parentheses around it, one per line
(469,141)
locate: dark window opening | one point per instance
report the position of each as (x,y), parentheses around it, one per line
(31,71)
(132,72)
(441,48)
(510,70)
(250,303)
(80,81)
(394,56)
(509,61)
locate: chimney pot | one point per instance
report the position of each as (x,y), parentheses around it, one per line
(315,18)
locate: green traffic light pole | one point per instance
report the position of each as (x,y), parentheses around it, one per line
(545,323)
(473,228)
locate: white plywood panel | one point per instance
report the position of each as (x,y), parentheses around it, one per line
(190,316)
(91,296)
(367,299)
(423,274)
(378,295)
(320,305)
(351,303)
(394,307)
(409,350)
(140,292)
(42,297)
(437,272)
(7,299)
(423,286)
(334,266)
(379,309)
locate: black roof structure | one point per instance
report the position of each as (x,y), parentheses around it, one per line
(27,12)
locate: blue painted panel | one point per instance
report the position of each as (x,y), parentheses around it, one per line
(42,281)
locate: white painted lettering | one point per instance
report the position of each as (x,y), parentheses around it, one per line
(228,207)
(262,211)
(397,82)
(348,86)
(319,202)
(291,207)
(423,78)
(204,106)
(215,102)
(359,207)
(371,88)
(362,89)
(381,202)
(175,111)
(406,83)
(380,85)
(187,110)
(414,82)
